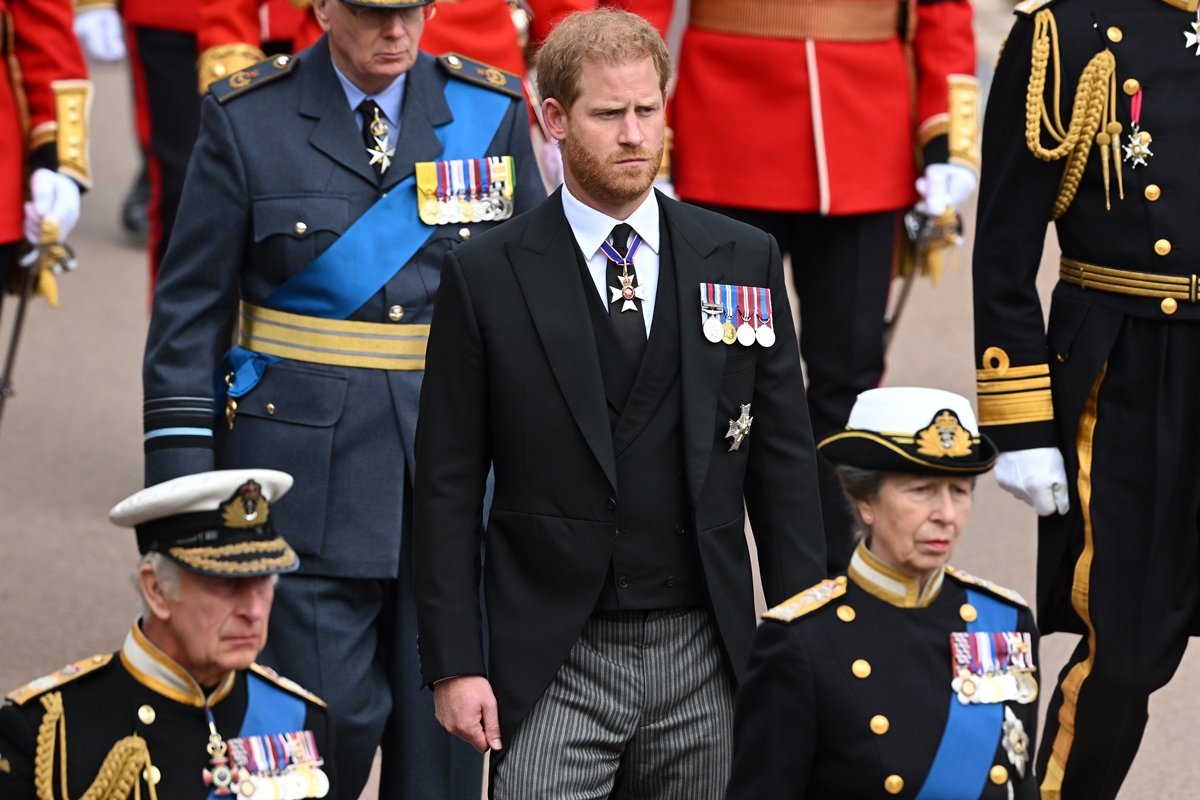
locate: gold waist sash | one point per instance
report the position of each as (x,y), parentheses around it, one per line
(1142,284)
(369,345)
(823,20)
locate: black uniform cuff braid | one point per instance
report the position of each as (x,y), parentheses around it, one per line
(44,157)
(936,150)
(1024,436)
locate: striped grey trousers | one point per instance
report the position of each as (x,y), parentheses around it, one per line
(642,709)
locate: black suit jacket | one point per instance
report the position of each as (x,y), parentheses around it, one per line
(513,380)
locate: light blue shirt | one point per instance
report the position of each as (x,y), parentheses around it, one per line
(390,101)
(593,228)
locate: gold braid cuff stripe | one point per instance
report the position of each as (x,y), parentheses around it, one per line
(822,20)
(88,5)
(368,345)
(1015,408)
(212,563)
(73,102)
(963,130)
(1141,284)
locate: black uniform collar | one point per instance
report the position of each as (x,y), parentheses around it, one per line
(155,670)
(890,584)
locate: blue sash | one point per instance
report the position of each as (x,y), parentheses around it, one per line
(269,710)
(964,756)
(378,244)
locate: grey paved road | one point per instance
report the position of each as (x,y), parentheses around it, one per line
(70,448)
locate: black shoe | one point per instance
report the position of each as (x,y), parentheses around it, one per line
(135,217)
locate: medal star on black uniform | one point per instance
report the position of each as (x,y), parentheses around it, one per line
(380,153)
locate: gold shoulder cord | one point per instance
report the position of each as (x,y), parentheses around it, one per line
(118,775)
(1095,102)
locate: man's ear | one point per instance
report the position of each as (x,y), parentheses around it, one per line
(555,117)
(321,11)
(152,590)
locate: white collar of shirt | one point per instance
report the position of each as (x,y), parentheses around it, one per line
(592,228)
(390,101)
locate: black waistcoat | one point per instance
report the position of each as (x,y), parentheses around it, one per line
(654,562)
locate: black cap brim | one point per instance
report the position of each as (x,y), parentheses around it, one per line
(883,453)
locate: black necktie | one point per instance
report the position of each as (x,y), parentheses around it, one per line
(375,128)
(630,324)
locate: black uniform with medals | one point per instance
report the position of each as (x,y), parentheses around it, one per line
(848,691)
(129,716)
(1112,383)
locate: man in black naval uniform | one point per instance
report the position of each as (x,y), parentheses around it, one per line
(1091,124)
(181,710)
(324,190)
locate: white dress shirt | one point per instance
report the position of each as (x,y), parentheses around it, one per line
(593,228)
(390,101)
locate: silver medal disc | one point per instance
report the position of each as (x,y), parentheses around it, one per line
(765,335)
(712,330)
(745,334)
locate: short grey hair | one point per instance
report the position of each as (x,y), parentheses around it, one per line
(168,573)
(859,484)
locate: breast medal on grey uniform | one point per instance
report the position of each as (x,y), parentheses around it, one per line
(289,234)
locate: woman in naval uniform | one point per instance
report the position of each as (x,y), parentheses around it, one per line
(904,676)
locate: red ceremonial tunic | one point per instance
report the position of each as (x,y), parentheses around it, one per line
(45,50)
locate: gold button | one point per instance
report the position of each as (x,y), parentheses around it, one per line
(860,668)
(1114,34)
(270,408)
(845,613)
(396,313)
(968,612)
(879,724)
(282,61)
(894,784)
(464,233)
(1169,306)
(218,69)
(301,229)
(1162,247)
(1153,192)
(998,775)
(1131,86)
(152,775)
(146,715)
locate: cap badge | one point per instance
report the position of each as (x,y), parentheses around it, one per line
(945,437)
(247,508)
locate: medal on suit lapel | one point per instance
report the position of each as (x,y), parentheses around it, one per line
(380,153)
(739,428)
(626,292)
(764,333)
(1189,37)
(745,331)
(729,301)
(711,310)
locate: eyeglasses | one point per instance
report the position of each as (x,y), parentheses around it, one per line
(379,17)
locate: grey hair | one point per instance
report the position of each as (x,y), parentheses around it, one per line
(859,484)
(168,573)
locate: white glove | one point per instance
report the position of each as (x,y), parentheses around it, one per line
(552,166)
(55,196)
(1036,476)
(942,186)
(100,32)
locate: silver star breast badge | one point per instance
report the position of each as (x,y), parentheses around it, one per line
(1138,148)
(739,428)
(1191,40)
(627,292)
(381,153)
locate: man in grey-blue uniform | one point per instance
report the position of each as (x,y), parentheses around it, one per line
(323,192)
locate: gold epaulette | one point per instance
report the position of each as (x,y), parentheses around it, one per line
(285,683)
(56,679)
(1001,592)
(224,60)
(481,74)
(1012,395)
(252,77)
(809,600)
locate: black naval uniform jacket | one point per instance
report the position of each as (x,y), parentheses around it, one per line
(278,174)
(1038,399)
(514,378)
(137,691)
(823,672)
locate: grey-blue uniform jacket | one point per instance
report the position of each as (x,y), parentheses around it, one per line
(278,174)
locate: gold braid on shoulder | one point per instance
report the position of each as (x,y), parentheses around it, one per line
(119,774)
(1094,104)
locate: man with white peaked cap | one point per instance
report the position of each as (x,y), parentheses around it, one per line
(181,711)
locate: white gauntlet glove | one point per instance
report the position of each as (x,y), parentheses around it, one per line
(1036,476)
(53,195)
(942,186)
(101,34)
